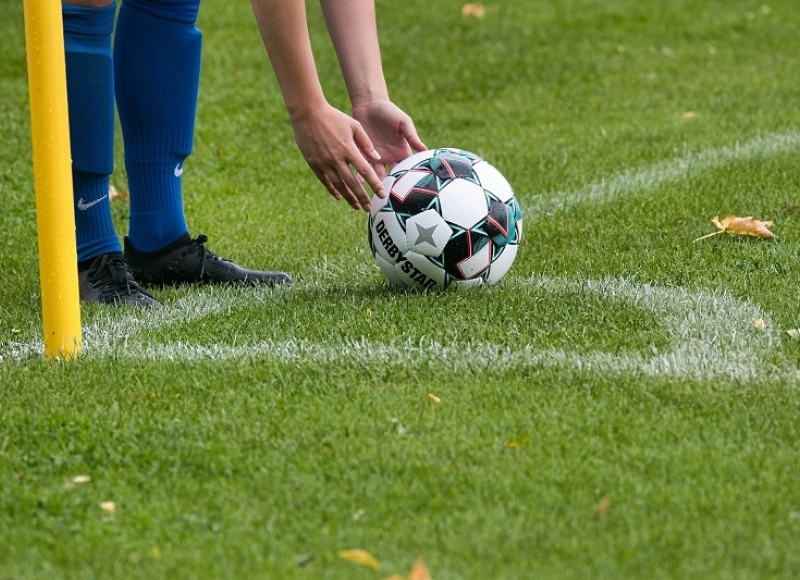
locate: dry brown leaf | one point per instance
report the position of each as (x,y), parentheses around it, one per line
(419,571)
(744,226)
(474,10)
(360,557)
(602,508)
(114,194)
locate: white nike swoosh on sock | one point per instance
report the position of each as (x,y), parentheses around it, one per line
(83,206)
(178,170)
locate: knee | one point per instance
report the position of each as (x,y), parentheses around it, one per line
(175,10)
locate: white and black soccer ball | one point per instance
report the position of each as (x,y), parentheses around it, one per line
(450,219)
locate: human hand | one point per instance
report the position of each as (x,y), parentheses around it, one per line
(391,130)
(339,152)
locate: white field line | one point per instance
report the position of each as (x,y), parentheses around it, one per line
(638,182)
(711,336)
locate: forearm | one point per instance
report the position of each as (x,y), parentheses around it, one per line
(353,29)
(338,148)
(284,30)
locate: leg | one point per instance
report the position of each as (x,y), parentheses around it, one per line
(90,92)
(102,274)
(157,74)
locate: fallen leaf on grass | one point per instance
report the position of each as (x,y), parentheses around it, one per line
(108,507)
(77,480)
(793,333)
(419,571)
(360,557)
(602,508)
(744,226)
(474,10)
(114,194)
(523,441)
(759,324)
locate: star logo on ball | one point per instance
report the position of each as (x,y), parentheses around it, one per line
(425,235)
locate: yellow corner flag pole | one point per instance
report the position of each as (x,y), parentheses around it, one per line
(55,220)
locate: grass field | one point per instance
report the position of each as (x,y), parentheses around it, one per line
(623,405)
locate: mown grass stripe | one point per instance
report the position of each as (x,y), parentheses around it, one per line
(641,181)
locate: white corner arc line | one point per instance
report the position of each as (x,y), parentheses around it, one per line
(711,336)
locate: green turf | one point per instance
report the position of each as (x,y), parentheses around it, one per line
(256,433)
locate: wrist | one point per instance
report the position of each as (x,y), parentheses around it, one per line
(367,92)
(304,108)
(366,100)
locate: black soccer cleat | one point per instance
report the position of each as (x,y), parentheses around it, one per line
(188,261)
(108,280)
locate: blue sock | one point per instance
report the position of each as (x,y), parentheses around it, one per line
(157,73)
(90,92)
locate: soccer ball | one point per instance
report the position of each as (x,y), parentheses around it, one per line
(450,219)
